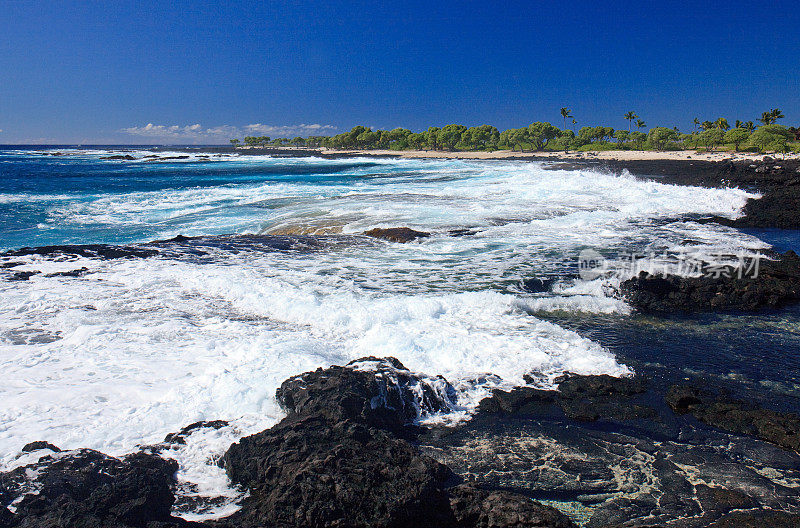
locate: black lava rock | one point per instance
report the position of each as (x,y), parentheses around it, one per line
(39,444)
(121,157)
(377,392)
(736,416)
(102,251)
(537,285)
(179,438)
(80,272)
(340,459)
(86,488)
(397,234)
(777,284)
(475,507)
(583,398)
(23,275)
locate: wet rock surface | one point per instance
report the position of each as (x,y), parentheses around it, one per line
(397,234)
(777,180)
(607,451)
(119,157)
(86,488)
(613,453)
(179,247)
(340,459)
(582,398)
(776,284)
(736,416)
(99,251)
(180,437)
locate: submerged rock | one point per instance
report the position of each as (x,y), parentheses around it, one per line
(397,234)
(736,416)
(23,275)
(179,438)
(80,272)
(537,285)
(121,157)
(776,284)
(583,398)
(101,251)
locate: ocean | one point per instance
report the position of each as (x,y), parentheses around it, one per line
(278,279)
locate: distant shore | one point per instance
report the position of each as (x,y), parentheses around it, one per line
(610,155)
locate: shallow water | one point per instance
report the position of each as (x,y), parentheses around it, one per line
(136,348)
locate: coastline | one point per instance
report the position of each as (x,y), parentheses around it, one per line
(664,447)
(608,155)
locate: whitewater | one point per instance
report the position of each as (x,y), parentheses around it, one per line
(133,349)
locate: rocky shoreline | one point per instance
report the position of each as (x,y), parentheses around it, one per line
(599,452)
(777,180)
(351,453)
(774,284)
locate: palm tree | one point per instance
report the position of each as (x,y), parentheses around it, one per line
(771,117)
(573,124)
(565,113)
(695,122)
(721,123)
(630,116)
(706,125)
(640,124)
(738,124)
(749,126)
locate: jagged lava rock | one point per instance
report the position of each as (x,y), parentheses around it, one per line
(736,416)
(85,488)
(378,392)
(397,234)
(583,398)
(340,459)
(777,284)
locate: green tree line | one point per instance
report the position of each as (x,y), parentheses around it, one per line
(541,136)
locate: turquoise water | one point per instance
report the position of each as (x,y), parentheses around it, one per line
(79,198)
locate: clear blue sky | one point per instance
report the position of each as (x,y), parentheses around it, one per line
(102,71)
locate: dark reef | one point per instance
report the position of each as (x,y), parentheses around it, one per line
(343,457)
(611,451)
(397,234)
(777,180)
(776,284)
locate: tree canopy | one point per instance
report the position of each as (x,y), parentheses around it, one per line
(540,135)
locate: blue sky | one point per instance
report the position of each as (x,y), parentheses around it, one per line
(200,72)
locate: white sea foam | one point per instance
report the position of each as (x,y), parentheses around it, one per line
(137,349)
(149,346)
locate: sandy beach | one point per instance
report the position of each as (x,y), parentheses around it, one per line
(612,155)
